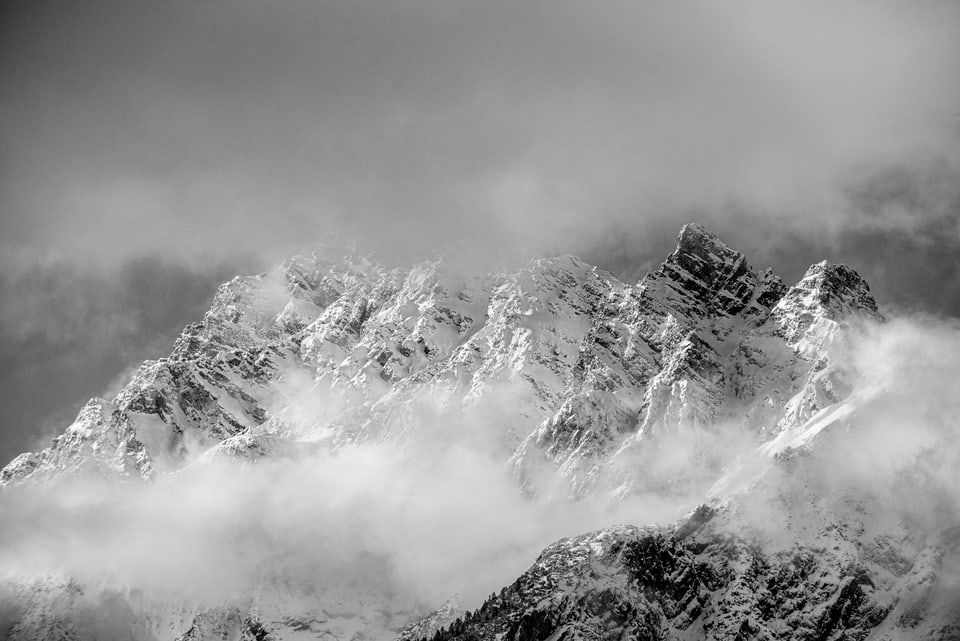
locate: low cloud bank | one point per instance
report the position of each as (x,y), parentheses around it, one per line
(408,526)
(423,526)
(883,473)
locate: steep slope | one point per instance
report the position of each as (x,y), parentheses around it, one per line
(802,555)
(705,380)
(216,383)
(696,581)
(592,366)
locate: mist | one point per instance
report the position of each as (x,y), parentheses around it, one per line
(149,151)
(884,471)
(405,523)
(210,140)
(366,528)
(196,131)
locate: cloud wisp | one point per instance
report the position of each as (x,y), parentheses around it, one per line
(197,130)
(407,524)
(235,133)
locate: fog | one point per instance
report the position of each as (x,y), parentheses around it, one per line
(385,525)
(887,469)
(194,131)
(904,442)
(213,139)
(408,522)
(149,151)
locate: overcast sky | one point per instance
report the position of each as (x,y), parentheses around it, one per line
(148,150)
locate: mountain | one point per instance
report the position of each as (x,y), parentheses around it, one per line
(749,406)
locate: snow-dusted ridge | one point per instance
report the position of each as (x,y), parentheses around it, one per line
(705,381)
(557,333)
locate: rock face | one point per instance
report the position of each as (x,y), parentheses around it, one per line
(595,365)
(565,372)
(694,582)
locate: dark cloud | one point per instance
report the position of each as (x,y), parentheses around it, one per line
(65,334)
(199,133)
(189,128)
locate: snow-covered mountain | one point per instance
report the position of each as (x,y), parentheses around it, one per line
(705,383)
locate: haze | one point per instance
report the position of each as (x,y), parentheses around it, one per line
(150,150)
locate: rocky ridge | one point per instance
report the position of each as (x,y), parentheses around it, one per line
(595,364)
(560,369)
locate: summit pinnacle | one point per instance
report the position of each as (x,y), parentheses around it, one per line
(583,387)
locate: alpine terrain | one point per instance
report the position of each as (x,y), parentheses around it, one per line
(728,456)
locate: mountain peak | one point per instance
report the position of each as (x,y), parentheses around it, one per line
(575,381)
(707,272)
(829,292)
(837,288)
(695,239)
(701,254)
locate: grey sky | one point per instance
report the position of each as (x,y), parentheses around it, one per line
(200,138)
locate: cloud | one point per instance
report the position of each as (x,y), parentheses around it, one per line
(387,524)
(409,525)
(144,142)
(885,472)
(910,424)
(67,330)
(190,130)
(235,133)
(398,527)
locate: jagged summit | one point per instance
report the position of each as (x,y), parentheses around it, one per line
(711,278)
(695,238)
(558,327)
(827,294)
(702,254)
(578,381)
(837,288)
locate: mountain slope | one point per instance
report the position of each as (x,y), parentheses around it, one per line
(705,381)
